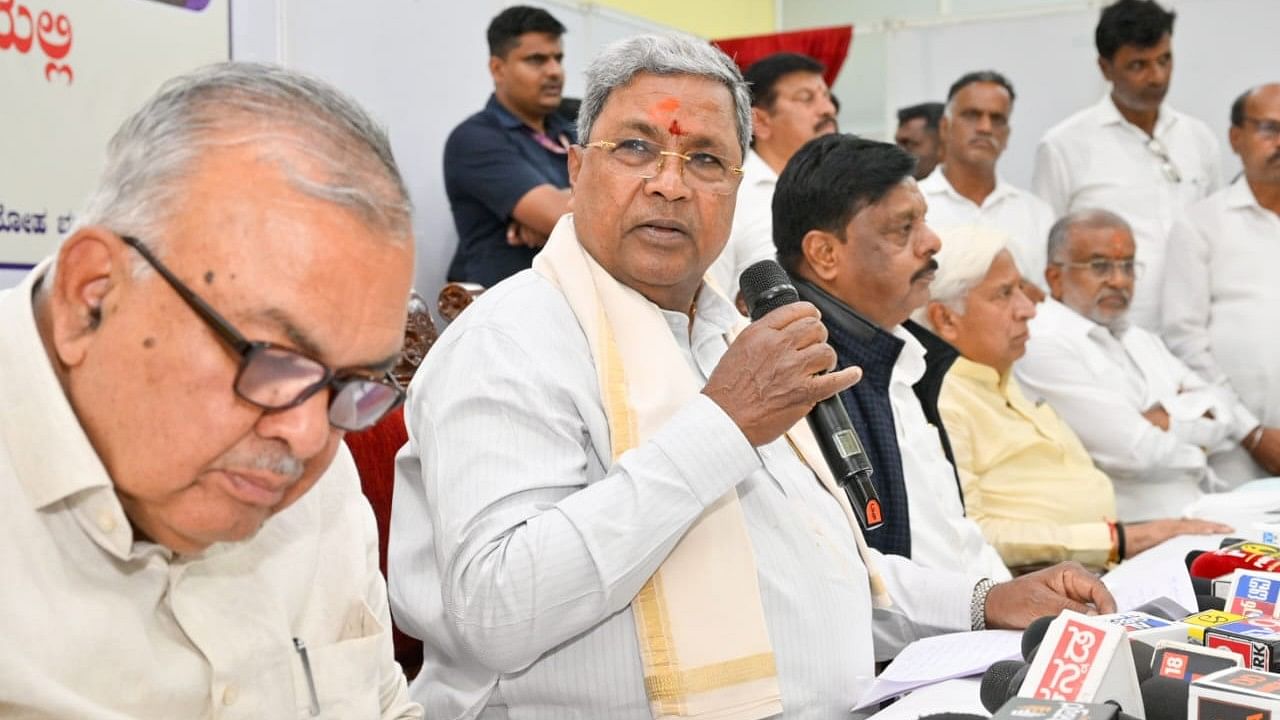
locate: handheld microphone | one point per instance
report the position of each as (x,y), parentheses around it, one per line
(766,287)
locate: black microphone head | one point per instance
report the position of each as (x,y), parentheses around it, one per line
(1210,602)
(1034,633)
(766,287)
(1165,698)
(1191,557)
(996,682)
(1201,586)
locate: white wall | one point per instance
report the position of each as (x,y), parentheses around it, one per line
(908,51)
(420,67)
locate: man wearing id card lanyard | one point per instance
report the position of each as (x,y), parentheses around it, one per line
(1131,153)
(506,167)
(181,527)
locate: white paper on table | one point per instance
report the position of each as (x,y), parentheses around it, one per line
(1158,572)
(943,657)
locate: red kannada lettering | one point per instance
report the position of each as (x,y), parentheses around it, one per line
(10,37)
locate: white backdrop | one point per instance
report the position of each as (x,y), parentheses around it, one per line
(70,72)
(1221,47)
(420,67)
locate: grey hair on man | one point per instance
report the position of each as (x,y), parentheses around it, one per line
(964,260)
(328,147)
(1087,218)
(662,55)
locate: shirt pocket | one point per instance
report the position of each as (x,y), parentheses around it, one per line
(344,674)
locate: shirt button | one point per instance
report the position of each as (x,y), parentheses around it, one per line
(106,521)
(229,695)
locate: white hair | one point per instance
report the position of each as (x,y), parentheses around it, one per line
(964,260)
(662,55)
(346,155)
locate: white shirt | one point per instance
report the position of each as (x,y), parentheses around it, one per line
(1097,159)
(515,553)
(1100,385)
(751,237)
(1025,218)
(1220,302)
(97,624)
(941,535)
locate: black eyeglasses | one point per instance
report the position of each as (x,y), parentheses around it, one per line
(277,378)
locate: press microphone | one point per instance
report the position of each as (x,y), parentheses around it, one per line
(766,287)
(1020,708)
(1165,698)
(1241,556)
(1033,635)
(1001,682)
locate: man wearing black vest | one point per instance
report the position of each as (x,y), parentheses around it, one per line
(848,220)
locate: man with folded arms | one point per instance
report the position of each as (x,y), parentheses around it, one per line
(1146,419)
(849,222)
(183,529)
(1027,479)
(1221,294)
(638,524)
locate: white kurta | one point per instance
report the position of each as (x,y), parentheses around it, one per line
(96,624)
(515,552)
(941,535)
(1101,385)
(1025,218)
(1097,159)
(1220,302)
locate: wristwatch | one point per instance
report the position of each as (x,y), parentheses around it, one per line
(978,604)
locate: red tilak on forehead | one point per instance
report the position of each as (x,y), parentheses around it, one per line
(675,128)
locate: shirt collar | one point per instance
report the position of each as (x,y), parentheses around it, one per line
(1053,316)
(937,182)
(755,171)
(910,365)
(1109,114)
(1239,195)
(555,124)
(713,315)
(985,375)
(53,458)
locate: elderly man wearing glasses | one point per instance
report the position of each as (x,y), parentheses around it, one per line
(1148,421)
(1221,294)
(183,531)
(610,506)
(1027,479)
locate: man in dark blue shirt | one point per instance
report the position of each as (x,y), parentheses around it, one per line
(505,167)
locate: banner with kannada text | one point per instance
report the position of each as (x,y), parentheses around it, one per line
(70,72)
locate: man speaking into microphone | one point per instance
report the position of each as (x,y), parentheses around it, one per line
(610,506)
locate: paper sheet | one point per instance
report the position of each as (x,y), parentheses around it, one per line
(943,657)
